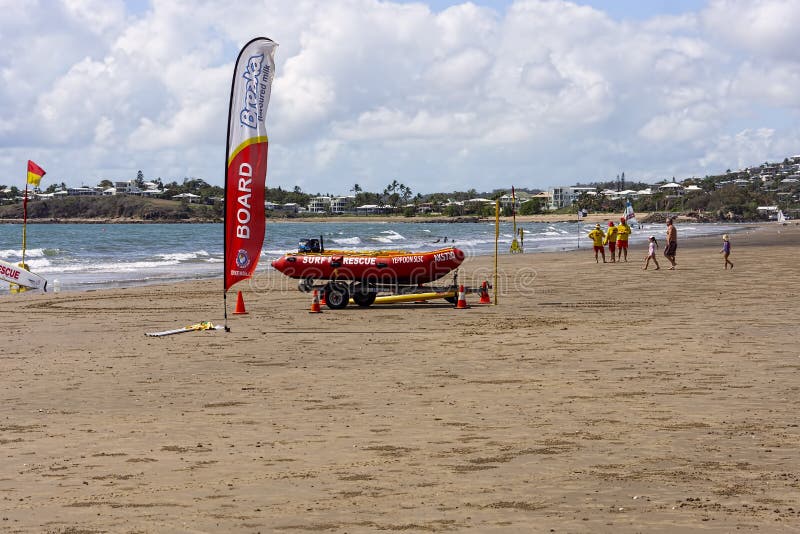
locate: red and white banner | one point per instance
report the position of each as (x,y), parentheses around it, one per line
(246,171)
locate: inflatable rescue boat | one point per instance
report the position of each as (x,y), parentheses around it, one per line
(313,262)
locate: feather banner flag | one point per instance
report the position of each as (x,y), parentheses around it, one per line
(35,174)
(246,165)
(630,216)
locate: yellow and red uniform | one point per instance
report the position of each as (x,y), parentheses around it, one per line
(597,236)
(611,236)
(623,232)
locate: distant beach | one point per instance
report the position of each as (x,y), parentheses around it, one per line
(593,398)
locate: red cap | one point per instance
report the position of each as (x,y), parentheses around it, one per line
(611,223)
(622,219)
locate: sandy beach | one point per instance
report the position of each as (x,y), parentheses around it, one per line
(593,398)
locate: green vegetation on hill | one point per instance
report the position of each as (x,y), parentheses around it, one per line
(113,207)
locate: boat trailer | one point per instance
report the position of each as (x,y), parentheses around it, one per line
(339,293)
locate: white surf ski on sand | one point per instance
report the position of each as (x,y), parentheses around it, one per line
(17,275)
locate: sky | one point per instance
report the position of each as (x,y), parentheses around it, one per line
(438,95)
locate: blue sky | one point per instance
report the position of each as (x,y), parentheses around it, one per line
(439,95)
(618,9)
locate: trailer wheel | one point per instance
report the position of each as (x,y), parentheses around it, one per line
(306,285)
(363,296)
(336,295)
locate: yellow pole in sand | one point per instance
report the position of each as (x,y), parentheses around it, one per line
(496,243)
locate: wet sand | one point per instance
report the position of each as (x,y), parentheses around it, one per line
(593,398)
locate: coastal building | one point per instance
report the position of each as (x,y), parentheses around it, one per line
(188,197)
(544,198)
(520,197)
(478,202)
(373,209)
(84,191)
(564,196)
(328,204)
(289,207)
(671,189)
(127,187)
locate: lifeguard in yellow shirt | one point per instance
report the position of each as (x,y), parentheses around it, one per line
(611,239)
(597,237)
(623,233)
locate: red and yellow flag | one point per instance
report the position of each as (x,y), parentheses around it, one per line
(35,174)
(246,170)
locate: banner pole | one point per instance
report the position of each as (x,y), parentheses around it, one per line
(496,244)
(225,314)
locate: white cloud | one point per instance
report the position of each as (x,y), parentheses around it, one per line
(98,16)
(546,92)
(766,28)
(774,84)
(458,71)
(747,147)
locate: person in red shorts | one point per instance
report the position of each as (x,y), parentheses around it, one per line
(611,239)
(597,236)
(623,232)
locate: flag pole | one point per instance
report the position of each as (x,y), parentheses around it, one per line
(24,223)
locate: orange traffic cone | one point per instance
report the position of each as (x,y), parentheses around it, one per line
(485,299)
(461,304)
(315,308)
(239,305)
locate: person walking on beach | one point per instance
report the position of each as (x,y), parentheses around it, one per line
(597,236)
(623,233)
(651,253)
(672,243)
(726,251)
(611,239)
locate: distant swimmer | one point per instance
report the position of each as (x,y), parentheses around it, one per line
(445,239)
(437,240)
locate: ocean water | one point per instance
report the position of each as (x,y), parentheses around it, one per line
(92,256)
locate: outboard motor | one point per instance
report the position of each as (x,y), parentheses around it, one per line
(309,245)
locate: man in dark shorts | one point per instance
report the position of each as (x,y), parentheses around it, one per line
(672,244)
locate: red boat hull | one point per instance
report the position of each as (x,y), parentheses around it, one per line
(407,268)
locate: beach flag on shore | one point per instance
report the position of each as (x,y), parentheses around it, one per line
(246,162)
(35,174)
(630,217)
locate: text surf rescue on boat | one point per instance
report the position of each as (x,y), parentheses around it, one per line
(363,274)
